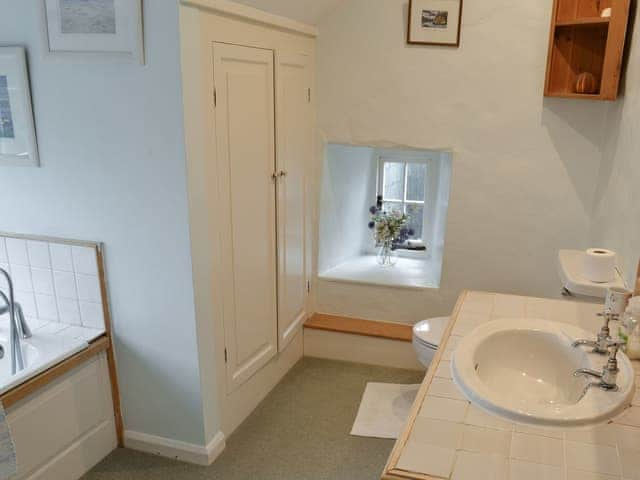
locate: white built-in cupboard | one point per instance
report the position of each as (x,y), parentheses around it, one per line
(248,114)
(263,142)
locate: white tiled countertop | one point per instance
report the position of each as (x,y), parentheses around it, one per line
(448,438)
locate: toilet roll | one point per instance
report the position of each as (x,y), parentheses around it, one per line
(600,265)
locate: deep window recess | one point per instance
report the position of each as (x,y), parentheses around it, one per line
(403,185)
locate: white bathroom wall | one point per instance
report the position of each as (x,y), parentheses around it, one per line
(524,167)
(307,11)
(617,214)
(113,170)
(348,190)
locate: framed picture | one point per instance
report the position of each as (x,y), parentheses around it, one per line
(434,22)
(98,30)
(17,129)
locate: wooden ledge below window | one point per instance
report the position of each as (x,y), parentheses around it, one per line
(357,326)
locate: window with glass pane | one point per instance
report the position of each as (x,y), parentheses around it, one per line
(403,189)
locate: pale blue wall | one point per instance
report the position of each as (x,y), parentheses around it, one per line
(113,170)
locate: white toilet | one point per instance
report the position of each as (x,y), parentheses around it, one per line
(427,335)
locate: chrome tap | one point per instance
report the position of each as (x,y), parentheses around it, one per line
(23,327)
(609,375)
(600,344)
(17,358)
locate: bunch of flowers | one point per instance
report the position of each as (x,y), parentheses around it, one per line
(390,228)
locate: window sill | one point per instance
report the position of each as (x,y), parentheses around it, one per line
(411,273)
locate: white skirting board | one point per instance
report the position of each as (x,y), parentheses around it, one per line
(360,349)
(166,447)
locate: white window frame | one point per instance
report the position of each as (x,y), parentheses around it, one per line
(430,198)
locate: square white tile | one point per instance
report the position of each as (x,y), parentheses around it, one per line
(88,288)
(92,315)
(444,409)
(47,307)
(630,461)
(427,459)
(21,278)
(537,449)
(475,466)
(486,440)
(27,301)
(61,257)
(593,458)
(509,306)
(38,254)
(17,251)
(65,283)
(42,281)
(437,432)
(84,260)
(444,387)
(475,416)
(444,370)
(69,311)
(599,435)
(627,438)
(630,417)
(581,475)
(519,470)
(52,328)
(543,432)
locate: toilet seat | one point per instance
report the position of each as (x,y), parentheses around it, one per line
(428,333)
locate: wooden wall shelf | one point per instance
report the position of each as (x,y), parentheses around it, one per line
(582,41)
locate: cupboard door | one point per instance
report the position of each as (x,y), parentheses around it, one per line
(244,82)
(293,123)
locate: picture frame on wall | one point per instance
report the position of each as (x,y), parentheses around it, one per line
(18,146)
(93,30)
(435,22)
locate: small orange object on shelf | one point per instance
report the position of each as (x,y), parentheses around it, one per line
(586,83)
(587,37)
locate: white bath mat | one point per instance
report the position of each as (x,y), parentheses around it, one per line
(384,410)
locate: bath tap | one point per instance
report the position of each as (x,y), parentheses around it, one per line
(23,327)
(601,344)
(609,375)
(17,358)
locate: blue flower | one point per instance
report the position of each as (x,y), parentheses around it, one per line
(372,225)
(373,210)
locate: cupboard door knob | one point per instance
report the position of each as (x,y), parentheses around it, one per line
(282,173)
(274,176)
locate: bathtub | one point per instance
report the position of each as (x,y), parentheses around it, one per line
(40,352)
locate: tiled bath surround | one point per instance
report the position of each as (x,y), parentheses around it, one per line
(452,439)
(57,284)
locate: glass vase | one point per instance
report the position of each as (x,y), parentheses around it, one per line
(387,255)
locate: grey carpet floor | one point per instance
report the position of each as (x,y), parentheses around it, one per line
(299,432)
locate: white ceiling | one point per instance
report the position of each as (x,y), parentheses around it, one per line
(307,11)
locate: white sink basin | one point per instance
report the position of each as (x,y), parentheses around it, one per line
(522,370)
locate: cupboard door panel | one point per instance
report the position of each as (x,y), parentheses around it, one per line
(294,150)
(244,82)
